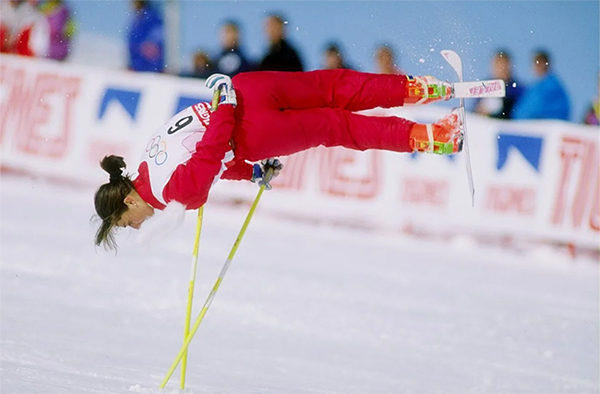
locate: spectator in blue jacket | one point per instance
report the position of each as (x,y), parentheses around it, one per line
(232,60)
(546,98)
(146,39)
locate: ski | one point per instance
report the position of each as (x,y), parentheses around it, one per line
(479,89)
(455,62)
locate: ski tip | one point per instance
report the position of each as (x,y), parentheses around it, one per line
(448,53)
(454,61)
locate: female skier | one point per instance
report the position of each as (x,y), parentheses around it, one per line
(269,114)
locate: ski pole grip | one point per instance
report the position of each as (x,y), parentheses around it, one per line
(266,180)
(269,175)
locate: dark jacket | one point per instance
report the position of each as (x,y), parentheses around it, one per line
(504,107)
(233,61)
(281,57)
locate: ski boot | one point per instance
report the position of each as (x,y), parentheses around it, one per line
(444,137)
(427,89)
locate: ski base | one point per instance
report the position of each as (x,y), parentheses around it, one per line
(479,89)
(455,62)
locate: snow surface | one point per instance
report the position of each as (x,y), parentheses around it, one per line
(303,309)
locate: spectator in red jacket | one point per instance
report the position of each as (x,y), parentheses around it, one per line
(269,114)
(30,34)
(7,22)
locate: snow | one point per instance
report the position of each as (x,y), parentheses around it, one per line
(303,309)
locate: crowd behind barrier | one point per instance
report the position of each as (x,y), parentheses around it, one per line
(44,28)
(36,28)
(535,180)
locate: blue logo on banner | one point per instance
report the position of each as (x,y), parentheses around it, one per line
(128,99)
(529,147)
(186,101)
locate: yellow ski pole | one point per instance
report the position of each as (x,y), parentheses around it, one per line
(215,99)
(192,284)
(213,292)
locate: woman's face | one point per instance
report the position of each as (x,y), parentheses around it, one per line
(137,212)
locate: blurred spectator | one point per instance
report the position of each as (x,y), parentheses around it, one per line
(62,28)
(146,38)
(281,56)
(385,58)
(333,57)
(546,99)
(232,60)
(592,115)
(202,66)
(30,31)
(502,108)
(7,24)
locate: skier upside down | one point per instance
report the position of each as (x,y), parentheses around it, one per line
(269,114)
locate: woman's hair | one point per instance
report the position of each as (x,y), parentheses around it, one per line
(109,199)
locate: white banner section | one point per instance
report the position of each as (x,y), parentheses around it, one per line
(534,179)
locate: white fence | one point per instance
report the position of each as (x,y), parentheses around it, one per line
(533,179)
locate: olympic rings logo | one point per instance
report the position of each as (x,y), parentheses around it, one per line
(157,150)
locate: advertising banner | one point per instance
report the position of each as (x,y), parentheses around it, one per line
(533,179)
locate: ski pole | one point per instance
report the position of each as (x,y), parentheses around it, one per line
(216,286)
(215,99)
(192,284)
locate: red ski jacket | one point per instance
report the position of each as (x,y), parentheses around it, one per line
(278,113)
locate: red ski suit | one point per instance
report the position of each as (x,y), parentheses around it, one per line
(278,114)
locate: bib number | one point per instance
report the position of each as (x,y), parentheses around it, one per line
(180,124)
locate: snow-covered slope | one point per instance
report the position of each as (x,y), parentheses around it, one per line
(303,308)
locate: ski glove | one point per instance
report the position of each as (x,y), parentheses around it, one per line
(223,82)
(261,173)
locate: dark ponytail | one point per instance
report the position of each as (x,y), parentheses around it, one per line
(109,199)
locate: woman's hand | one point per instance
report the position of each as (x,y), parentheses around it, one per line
(222,82)
(266,171)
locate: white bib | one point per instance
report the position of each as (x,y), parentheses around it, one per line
(174,143)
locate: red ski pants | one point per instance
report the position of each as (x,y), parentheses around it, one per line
(281,113)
